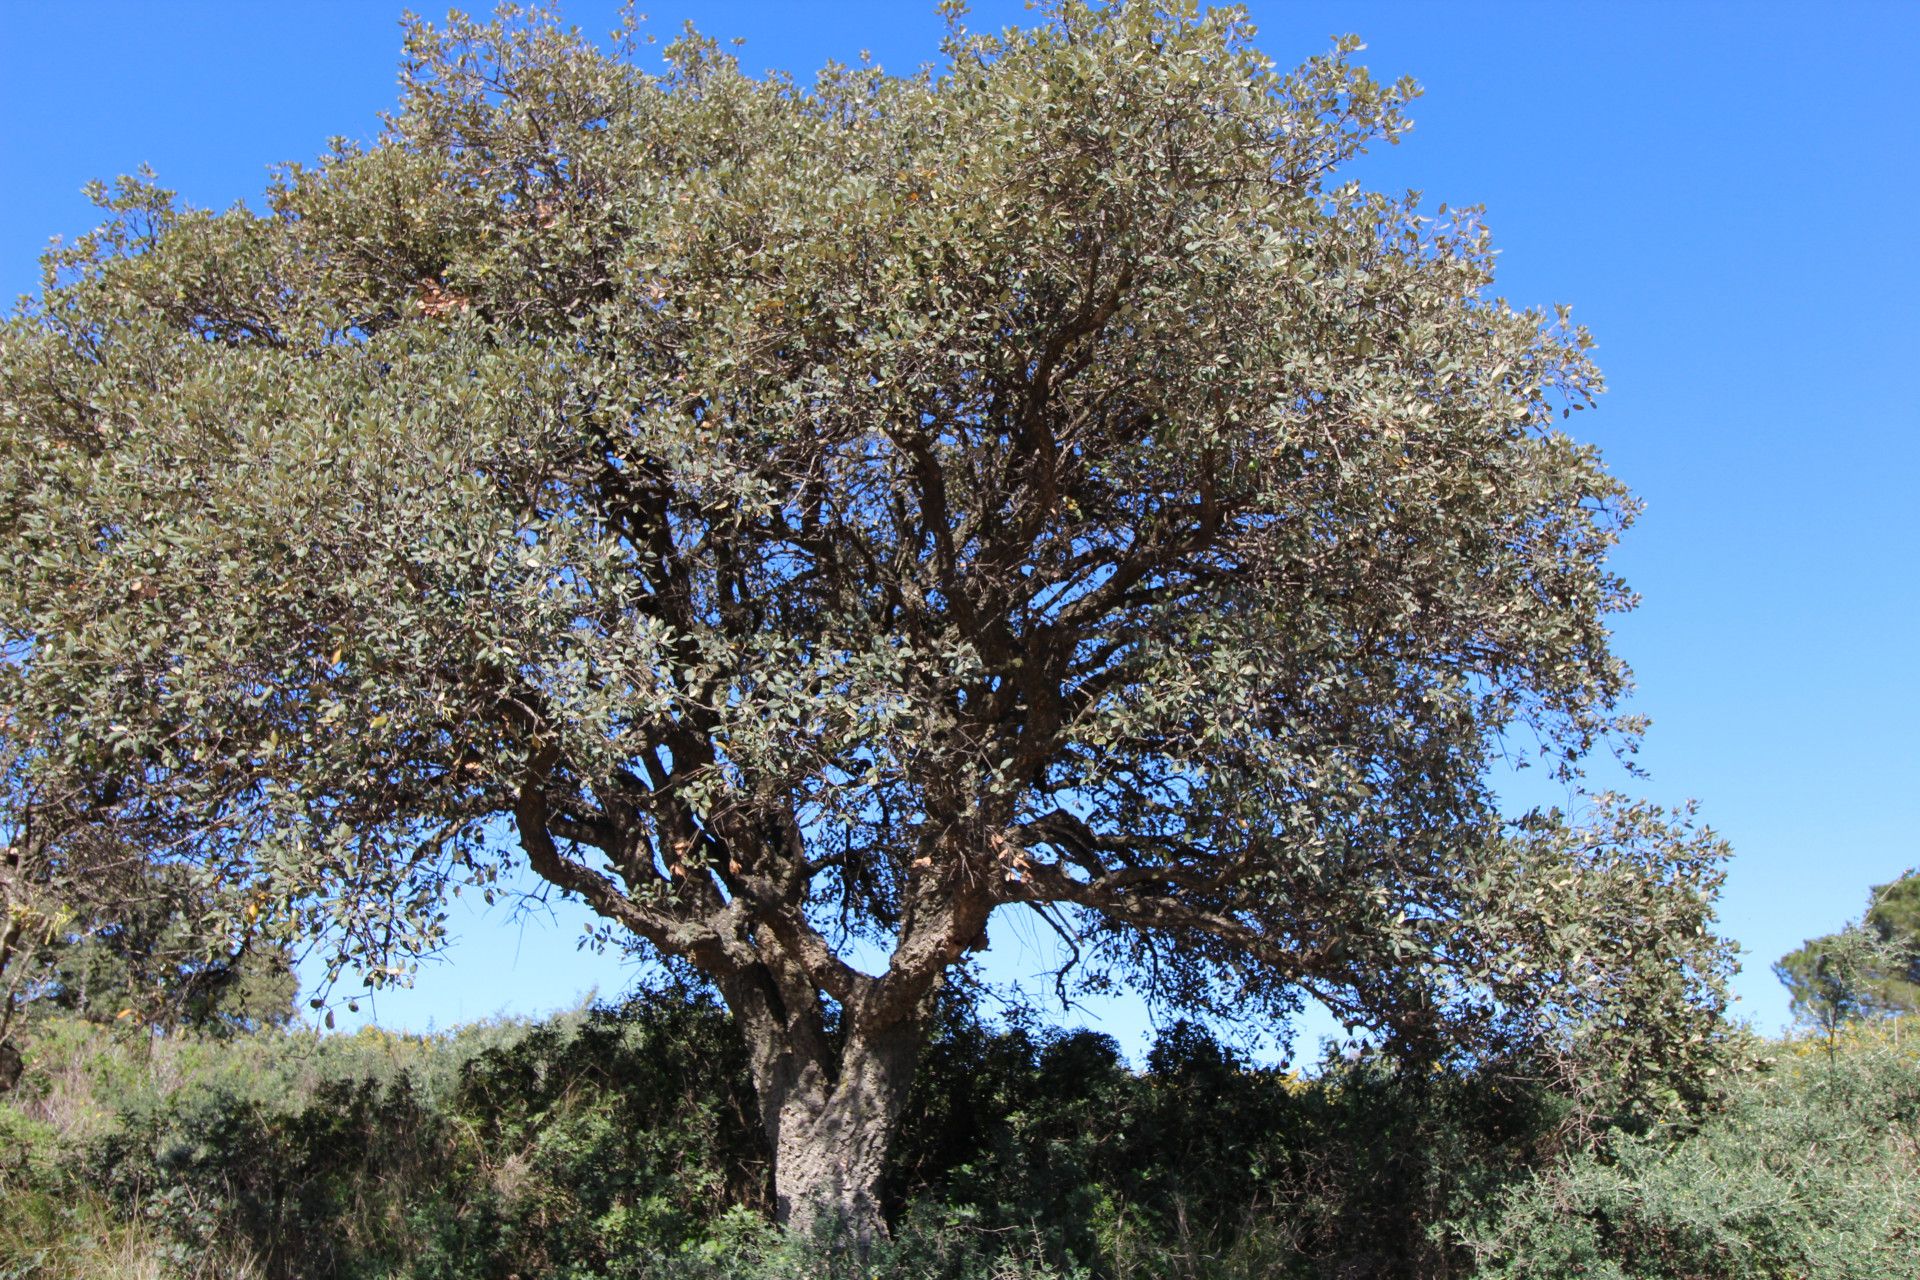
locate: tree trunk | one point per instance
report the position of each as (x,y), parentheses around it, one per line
(829,1117)
(830,1144)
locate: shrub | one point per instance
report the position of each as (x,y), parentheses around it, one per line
(1811,1170)
(621,1143)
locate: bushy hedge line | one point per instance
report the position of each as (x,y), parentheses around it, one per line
(621,1142)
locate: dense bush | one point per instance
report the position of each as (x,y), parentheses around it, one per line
(1200,1157)
(620,1143)
(572,1147)
(1811,1171)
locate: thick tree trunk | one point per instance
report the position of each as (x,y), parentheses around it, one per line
(11,1067)
(829,1116)
(830,1104)
(830,1145)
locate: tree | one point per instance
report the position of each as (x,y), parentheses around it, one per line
(139,954)
(93,924)
(1894,916)
(817,519)
(1869,969)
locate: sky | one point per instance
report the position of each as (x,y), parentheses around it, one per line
(1726,195)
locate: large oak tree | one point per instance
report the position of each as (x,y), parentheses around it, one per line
(811,519)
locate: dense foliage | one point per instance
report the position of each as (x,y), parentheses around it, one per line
(622,1142)
(1810,1171)
(96,925)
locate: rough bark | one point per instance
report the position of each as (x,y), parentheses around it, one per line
(12,913)
(831,1145)
(830,1110)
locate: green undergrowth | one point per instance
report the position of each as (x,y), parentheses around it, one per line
(619,1142)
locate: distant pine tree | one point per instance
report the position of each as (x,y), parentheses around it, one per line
(1869,969)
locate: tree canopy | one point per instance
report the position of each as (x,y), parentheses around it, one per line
(816,517)
(1869,969)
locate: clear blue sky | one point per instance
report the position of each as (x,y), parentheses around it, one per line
(1725,193)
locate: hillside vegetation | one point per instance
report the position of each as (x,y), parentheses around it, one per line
(619,1141)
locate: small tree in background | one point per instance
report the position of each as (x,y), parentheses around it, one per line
(815,520)
(136,950)
(93,922)
(1869,969)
